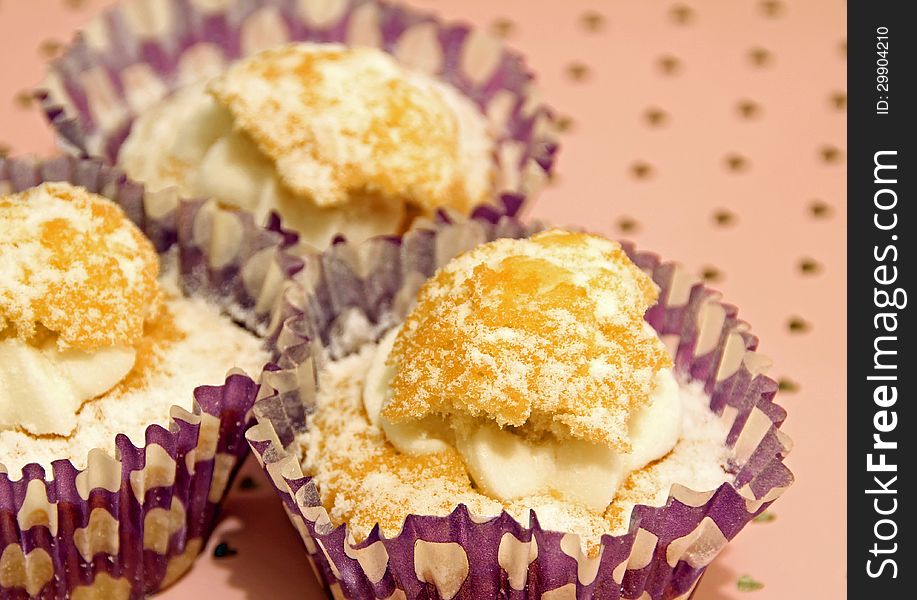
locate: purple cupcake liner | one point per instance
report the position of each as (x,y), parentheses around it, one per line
(139,52)
(666,549)
(128,526)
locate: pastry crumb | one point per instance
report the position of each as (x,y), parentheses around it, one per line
(545,334)
(73,264)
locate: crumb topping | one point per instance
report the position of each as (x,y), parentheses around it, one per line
(341,121)
(159,334)
(361,464)
(544,334)
(74,265)
(354,460)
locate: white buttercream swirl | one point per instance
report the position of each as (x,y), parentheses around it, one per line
(43,387)
(507,465)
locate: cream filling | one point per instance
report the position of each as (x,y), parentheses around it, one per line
(507,466)
(42,388)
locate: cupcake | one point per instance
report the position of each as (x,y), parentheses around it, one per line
(550,416)
(350,119)
(123,393)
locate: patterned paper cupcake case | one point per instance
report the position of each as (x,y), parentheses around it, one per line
(140,51)
(666,549)
(127,526)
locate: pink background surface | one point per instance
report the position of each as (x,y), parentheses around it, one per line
(733,162)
